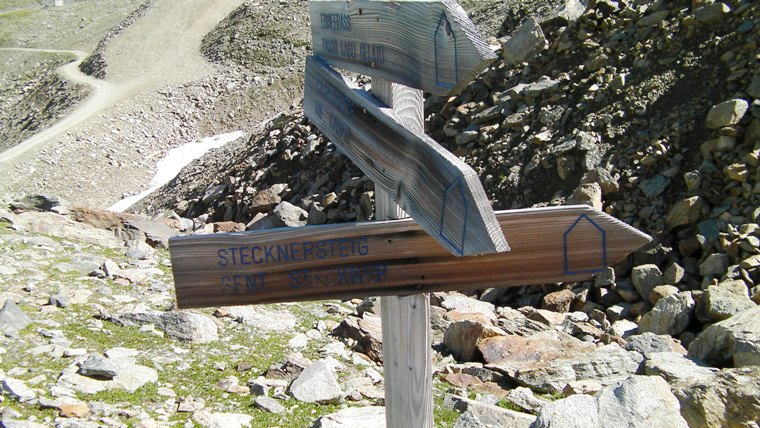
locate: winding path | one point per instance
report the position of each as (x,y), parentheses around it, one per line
(104,95)
(159,49)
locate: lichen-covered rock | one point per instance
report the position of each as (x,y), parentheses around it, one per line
(732,342)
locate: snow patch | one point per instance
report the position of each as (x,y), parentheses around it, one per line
(170,165)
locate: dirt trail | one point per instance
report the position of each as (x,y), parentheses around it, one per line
(160,49)
(104,95)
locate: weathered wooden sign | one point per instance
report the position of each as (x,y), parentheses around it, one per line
(557,244)
(435,187)
(426,44)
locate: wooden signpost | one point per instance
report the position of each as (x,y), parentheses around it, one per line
(430,45)
(557,244)
(425,44)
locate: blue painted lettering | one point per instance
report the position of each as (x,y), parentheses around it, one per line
(222,257)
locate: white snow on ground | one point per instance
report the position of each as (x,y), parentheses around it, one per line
(174,161)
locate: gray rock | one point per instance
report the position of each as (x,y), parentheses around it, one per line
(37,203)
(156,233)
(570,10)
(586,194)
(730,397)
(606,365)
(653,187)
(265,200)
(353,417)
(12,319)
(712,13)
(206,419)
(261,318)
(317,384)
(732,342)
(673,274)
(17,390)
(268,404)
(604,179)
(684,212)
(59,300)
(462,303)
(129,376)
(727,113)
(286,214)
(367,333)
(639,402)
(47,223)
(649,343)
(754,87)
(575,411)
(645,278)
(722,301)
(670,315)
(466,136)
(186,326)
(524,398)
(98,367)
(674,367)
(625,328)
(468,419)
(653,18)
(714,264)
(490,415)
(526,42)
(213,193)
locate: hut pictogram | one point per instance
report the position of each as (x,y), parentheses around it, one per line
(585,244)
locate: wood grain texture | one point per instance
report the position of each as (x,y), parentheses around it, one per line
(557,244)
(439,190)
(428,44)
(408,368)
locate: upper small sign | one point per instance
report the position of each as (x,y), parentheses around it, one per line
(425,44)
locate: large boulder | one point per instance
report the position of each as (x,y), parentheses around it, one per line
(732,342)
(671,315)
(729,398)
(317,384)
(637,402)
(722,301)
(463,337)
(181,325)
(606,365)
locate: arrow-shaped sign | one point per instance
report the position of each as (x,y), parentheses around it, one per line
(426,44)
(559,244)
(436,188)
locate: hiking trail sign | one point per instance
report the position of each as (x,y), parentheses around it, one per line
(557,244)
(430,45)
(425,44)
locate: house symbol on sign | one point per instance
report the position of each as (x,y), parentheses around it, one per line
(445,43)
(585,247)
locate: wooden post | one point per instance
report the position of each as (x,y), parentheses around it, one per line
(405,319)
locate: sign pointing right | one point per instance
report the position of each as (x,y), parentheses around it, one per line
(557,244)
